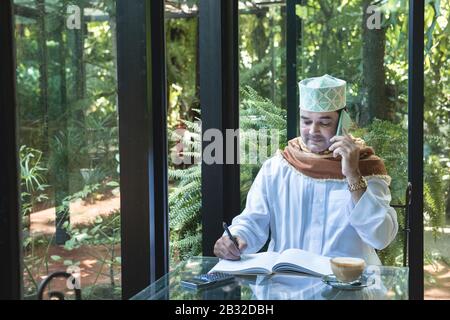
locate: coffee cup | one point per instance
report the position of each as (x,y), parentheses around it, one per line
(347,269)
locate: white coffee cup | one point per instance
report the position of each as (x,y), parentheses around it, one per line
(347,269)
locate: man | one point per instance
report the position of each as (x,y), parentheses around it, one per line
(326,193)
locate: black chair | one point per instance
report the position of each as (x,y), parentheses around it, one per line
(57,295)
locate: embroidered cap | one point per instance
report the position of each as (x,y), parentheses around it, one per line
(322,94)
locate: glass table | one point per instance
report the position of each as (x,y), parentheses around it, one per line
(389,283)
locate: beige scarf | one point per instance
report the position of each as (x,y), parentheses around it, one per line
(325,166)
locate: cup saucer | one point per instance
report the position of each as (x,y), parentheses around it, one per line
(363,282)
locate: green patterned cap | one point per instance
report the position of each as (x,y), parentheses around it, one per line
(322,94)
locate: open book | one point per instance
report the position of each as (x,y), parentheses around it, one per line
(289,261)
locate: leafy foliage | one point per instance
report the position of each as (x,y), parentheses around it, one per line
(258,113)
(32,177)
(185,199)
(105,233)
(435,184)
(390,143)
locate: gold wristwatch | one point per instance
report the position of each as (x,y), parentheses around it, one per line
(361,184)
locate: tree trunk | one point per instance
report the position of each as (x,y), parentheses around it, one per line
(324,51)
(375,100)
(61,165)
(43,71)
(113,24)
(197,71)
(282,101)
(272,62)
(261,41)
(448,206)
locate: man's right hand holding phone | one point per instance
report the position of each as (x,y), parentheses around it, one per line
(226,249)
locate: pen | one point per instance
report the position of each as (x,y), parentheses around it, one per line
(225,227)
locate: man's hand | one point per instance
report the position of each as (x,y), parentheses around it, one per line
(345,147)
(226,249)
(349,151)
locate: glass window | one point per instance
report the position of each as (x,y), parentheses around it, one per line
(67,100)
(352,40)
(262,79)
(367,46)
(184,129)
(437,151)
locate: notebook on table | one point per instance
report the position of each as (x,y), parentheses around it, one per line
(289,261)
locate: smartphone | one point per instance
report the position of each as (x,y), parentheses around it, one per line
(345,122)
(207,280)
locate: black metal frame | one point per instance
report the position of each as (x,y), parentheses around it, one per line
(415,147)
(292,97)
(143,143)
(10,222)
(219,100)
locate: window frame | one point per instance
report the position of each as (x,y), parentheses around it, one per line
(415,147)
(142,143)
(219,100)
(10,222)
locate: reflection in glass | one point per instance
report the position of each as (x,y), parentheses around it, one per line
(390,283)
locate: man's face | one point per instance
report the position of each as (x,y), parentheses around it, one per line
(317,128)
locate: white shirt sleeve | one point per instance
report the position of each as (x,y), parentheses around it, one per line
(252,225)
(373,218)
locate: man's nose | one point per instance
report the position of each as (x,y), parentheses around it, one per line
(314,128)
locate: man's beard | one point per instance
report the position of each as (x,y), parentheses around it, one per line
(317,144)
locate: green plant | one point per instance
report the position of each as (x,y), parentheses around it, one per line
(32,183)
(185,199)
(105,233)
(390,143)
(262,115)
(433,191)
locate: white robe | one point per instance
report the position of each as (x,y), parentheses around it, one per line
(315,215)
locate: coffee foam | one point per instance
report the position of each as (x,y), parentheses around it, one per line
(348,262)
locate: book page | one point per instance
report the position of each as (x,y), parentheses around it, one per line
(303,261)
(256,263)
